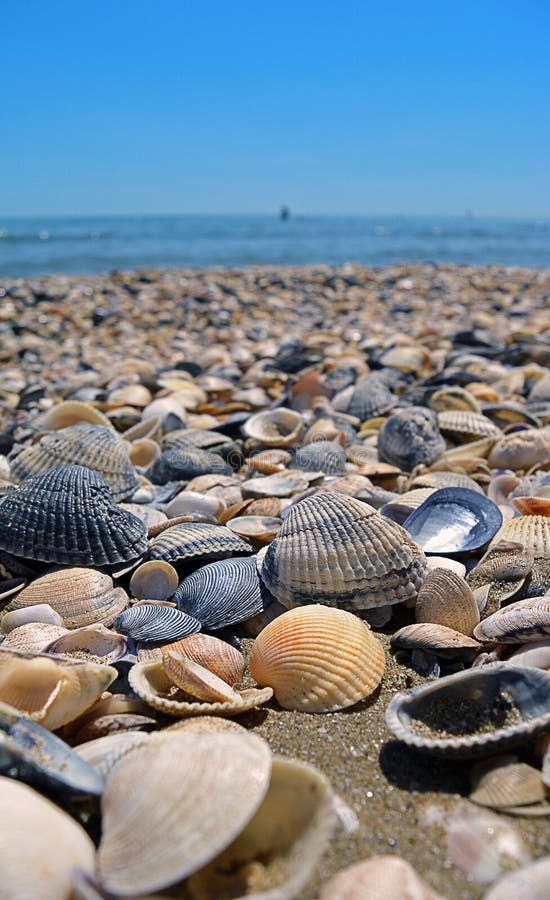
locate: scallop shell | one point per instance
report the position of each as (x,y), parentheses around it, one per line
(50,692)
(66,515)
(446,599)
(222,593)
(198,543)
(150,682)
(409,437)
(521,449)
(382,877)
(524,620)
(465,425)
(151,623)
(337,550)
(454,521)
(154,580)
(317,659)
(275,427)
(80,596)
(504,781)
(472,713)
(92,446)
(370,397)
(40,845)
(218,656)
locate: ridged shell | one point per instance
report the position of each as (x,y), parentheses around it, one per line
(218,656)
(464,425)
(504,781)
(321,456)
(33,637)
(198,543)
(454,521)
(195,679)
(158,624)
(533,532)
(378,878)
(66,515)
(336,550)
(280,484)
(154,580)
(446,599)
(317,659)
(524,620)
(92,446)
(152,684)
(370,397)
(206,788)
(521,450)
(439,480)
(222,593)
(275,427)
(437,639)
(181,463)
(80,596)
(473,713)
(409,437)
(40,845)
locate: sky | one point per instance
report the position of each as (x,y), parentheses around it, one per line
(135,106)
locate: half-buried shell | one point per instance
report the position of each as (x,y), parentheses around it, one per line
(502,782)
(378,878)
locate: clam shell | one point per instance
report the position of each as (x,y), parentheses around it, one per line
(40,845)
(402,506)
(435,638)
(222,593)
(438,480)
(382,877)
(454,521)
(219,657)
(198,543)
(151,623)
(143,453)
(154,580)
(190,501)
(533,533)
(66,515)
(275,427)
(321,456)
(504,781)
(409,437)
(92,643)
(317,659)
(92,446)
(103,753)
(42,612)
(521,449)
(206,787)
(453,398)
(524,620)
(152,684)
(472,713)
(33,637)
(336,550)
(532,506)
(280,484)
(71,412)
(536,654)
(181,463)
(446,599)
(205,725)
(80,596)
(260,529)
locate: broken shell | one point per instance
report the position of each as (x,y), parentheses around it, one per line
(521,449)
(446,599)
(222,593)
(93,643)
(454,521)
(218,656)
(532,506)
(409,437)
(275,427)
(159,624)
(317,659)
(154,580)
(195,679)
(504,781)
(378,878)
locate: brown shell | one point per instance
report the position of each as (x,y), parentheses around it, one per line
(378,878)
(446,599)
(216,655)
(504,781)
(437,639)
(465,425)
(521,449)
(275,427)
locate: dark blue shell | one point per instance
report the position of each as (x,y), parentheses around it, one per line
(454,521)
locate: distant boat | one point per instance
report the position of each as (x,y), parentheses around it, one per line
(284,213)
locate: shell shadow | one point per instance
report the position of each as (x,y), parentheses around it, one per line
(410,770)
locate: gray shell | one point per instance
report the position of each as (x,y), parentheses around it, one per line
(409,437)
(66,515)
(321,456)
(222,593)
(93,446)
(370,397)
(336,550)
(184,462)
(197,543)
(524,620)
(410,713)
(159,624)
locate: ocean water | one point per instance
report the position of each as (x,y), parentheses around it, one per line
(40,245)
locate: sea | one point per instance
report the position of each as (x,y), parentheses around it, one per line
(85,245)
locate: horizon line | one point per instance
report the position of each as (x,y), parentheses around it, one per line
(466,214)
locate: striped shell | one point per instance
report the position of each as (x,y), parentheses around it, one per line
(159,624)
(321,456)
(370,397)
(409,437)
(533,532)
(66,515)
(198,543)
(504,781)
(93,446)
(336,550)
(437,639)
(196,680)
(524,620)
(317,659)
(33,637)
(222,593)
(218,656)
(463,425)
(446,599)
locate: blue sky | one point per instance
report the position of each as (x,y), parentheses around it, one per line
(129,106)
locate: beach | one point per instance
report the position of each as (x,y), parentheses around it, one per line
(245,337)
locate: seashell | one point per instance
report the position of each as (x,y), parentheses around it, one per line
(454,521)
(11,586)
(269,461)
(439,640)
(472,713)
(70,412)
(402,506)
(321,456)
(150,682)
(446,599)
(453,398)
(50,692)
(269,506)
(33,637)
(33,755)
(152,623)
(40,845)
(129,395)
(445,562)
(205,725)
(197,543)
(278,851)
(317,659)
(280,484)
(504,781)
(532,506)
(225,487)
(143,453)
(528,883)
(92,643)
(370,397)
(154,580)
(501,486)
(148,514)
(182,463)
(258,529)
(521,449)
(222,593)
(381,877)
(190,501)
(473,450)
(524,620)
(409,437)
(409,359)
(533,533)
(42,612)
(338,551)
(195,679)
(93,446)
(275,427)
(168,410)
(439,480)
(218,656)
(66,515)
(146,429)
(508,413)
(464,425)
(80,596)
(103,753)
(535,653)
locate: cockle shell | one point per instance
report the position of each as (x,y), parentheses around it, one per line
(143,453)
(40,845)
(465,425)
(336,550)
(218,656)
(524,620)
(259,529)
(222,593)
(317,659)
(280,484)
(197,543)
(446,599)
(92,643)
(321,456)
(382,877)
(533,533)
(454,398)
(70,412)
(33,637)
(409,437)
(206,787)
(181,463)
(154,580)
(67,515)
(275,427)
(195,679)
(504,781)
(435,638)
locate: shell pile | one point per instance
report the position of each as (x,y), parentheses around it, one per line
(234,505)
